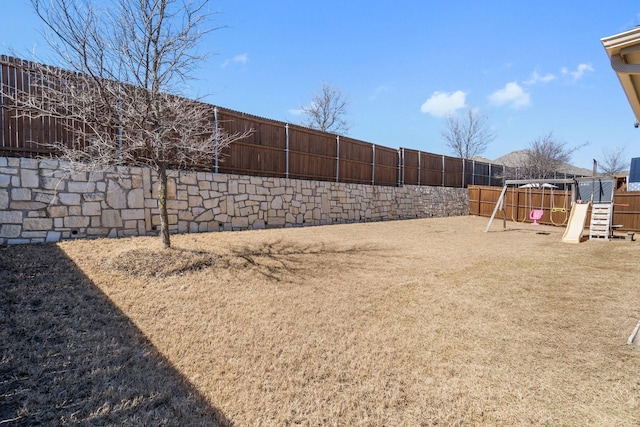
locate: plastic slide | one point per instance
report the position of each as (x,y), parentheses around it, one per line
(575,227)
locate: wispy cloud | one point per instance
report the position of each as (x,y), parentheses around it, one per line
(511,95)
(538,78)
(382,89)
(440,104)
(579,72)
(243,58)
(295,111)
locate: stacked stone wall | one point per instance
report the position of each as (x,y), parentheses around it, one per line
(39,202)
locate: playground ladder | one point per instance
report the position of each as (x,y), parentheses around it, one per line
(600,227)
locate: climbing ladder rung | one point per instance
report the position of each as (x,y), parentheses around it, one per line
(600,227)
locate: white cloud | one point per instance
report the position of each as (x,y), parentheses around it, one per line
(382,89)
(512,94)
(295,111)
(537,78)
(238,59)
(441,103)
(579,72)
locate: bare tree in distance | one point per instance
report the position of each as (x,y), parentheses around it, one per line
(545,157)
(121,103)
(469,135)
(327,111)
(613,161)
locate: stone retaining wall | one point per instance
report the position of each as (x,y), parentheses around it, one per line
(39,203)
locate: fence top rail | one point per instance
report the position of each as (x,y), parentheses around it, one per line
(539,181)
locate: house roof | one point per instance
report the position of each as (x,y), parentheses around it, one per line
(624,53)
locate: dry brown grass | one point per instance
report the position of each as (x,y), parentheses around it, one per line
(422,322)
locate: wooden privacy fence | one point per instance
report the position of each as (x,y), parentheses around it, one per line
(556,205)
(274,149)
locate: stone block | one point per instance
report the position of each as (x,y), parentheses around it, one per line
(177,205)
(4,199)
(53,236)
(70,199)
(128,214)
(10,230)
(10,217)
(205,216)
(111,218)
(44,196)
(52,183)
(222,218)
(32,224)
(91,208)
(189,178)
(27,163)
(29,178)
(195,201)
(27,206)
(240,222)
(76,222)
(116,195)
(135,198)
(20,194)
(81,187)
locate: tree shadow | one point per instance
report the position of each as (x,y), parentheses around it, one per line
(68,355)
(281,261)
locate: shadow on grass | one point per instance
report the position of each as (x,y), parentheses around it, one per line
(279,260)
(69,356)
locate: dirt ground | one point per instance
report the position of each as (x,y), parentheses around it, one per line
(407,323)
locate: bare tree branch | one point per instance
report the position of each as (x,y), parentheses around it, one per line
(546,155)
(121,103)
(613,161)
(468,136)
(327,111)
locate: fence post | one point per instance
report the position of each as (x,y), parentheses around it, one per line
(419,164)
(473,172)
(286,150)
(490,175)
(373,164)
(400,166)
(337,158)
(215,124)
(443,170)
(464,170)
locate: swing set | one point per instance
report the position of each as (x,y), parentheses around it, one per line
(536,213)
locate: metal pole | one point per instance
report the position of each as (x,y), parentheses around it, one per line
(373,164)
(337,158)
(419,165)
(286,151)
(215,124)
(473,172)
(443,170)
(464,169)
(490,176)
(402,170)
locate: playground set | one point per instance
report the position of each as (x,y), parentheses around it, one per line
(581,196)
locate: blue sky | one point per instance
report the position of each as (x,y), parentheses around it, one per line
(532,67)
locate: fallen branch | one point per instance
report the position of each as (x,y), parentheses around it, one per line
(632,337)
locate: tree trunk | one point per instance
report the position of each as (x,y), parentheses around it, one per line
(162,207)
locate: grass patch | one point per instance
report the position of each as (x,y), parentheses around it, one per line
(421,322)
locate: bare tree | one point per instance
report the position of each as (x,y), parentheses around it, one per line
(613,161)
(327,111)
(469,135)
(546,156)
(121,103)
